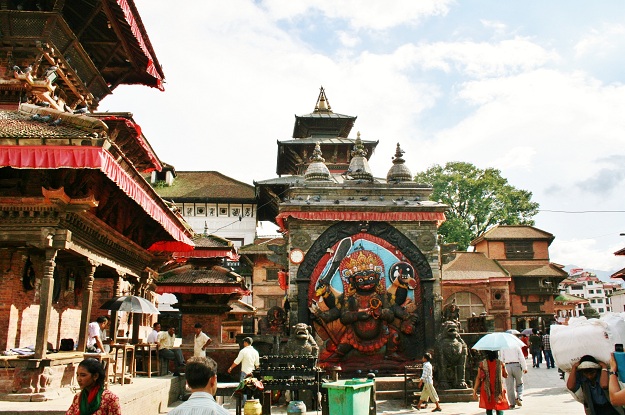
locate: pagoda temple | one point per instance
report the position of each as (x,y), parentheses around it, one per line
(363,255)
(78,223)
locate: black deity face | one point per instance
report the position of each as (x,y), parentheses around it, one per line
(365,281)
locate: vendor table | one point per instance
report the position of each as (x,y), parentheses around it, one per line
(125,349)
(227,389)
(143,352)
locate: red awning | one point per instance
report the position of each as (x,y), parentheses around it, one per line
(139,137)
(438,217)
(200,289)
(204,253)
(134,28)
(56,157)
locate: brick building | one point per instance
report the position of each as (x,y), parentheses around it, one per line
(477,284)
(523,252)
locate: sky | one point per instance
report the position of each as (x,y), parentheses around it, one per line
(532,88)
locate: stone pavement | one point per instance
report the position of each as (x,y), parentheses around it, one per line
(545,393)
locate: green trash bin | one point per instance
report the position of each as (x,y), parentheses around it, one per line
(349,397)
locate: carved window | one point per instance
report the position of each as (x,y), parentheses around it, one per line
(468,303)
(519,250)
(271,274)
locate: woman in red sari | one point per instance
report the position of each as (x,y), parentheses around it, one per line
(93,399)
(525,349)
(490,383)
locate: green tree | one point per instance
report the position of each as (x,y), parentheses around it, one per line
(478,199)
(590,312)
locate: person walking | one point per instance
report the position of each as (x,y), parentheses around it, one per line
(536,345)
(201,376)
(490,383)
(591,378)
(248,358)
(547,350)
(427,381)
(516,367)
(200,341)
(93,399)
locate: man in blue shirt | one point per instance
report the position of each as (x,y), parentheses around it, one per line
(201,375)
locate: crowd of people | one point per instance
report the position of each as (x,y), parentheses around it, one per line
(498,385)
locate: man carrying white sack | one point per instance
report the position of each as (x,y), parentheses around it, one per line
(516,367)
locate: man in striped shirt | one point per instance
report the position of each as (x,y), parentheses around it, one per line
(201,375)
(427,382)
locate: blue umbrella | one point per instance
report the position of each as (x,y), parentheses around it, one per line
(498,341)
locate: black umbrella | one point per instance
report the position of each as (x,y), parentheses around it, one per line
(130,303)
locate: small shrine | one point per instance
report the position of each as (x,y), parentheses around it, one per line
(363,257)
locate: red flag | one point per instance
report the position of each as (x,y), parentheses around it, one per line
(283,280)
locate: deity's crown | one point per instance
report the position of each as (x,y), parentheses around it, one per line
(361,261)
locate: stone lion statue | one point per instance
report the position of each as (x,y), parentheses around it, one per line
(452,357)
(301,342)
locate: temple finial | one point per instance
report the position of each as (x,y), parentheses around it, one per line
(399,172)
(323,105)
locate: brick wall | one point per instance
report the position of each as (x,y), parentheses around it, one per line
(19,308)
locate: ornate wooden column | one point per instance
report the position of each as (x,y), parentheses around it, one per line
(117,291)
(46,293)
(85,316)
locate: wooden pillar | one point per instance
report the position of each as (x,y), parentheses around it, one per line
(137,319)
(85,315)
(45,296)
(117,291)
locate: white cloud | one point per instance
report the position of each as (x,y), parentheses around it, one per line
(498,27)
(587,253)
(348,39)
(483,59)
(520,156)
(375,15)
(600,42)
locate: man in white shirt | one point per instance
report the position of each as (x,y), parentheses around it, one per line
(166,349)
(516,367)
(200,342)
(153,336)
(201,376)
(94,334)
(248,358)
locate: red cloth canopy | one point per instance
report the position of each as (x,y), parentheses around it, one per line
(438,217)
(134,28)
(77,157)
(139,138)
(205,253)
(200,289)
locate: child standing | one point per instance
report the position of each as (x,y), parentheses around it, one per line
(427,381)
